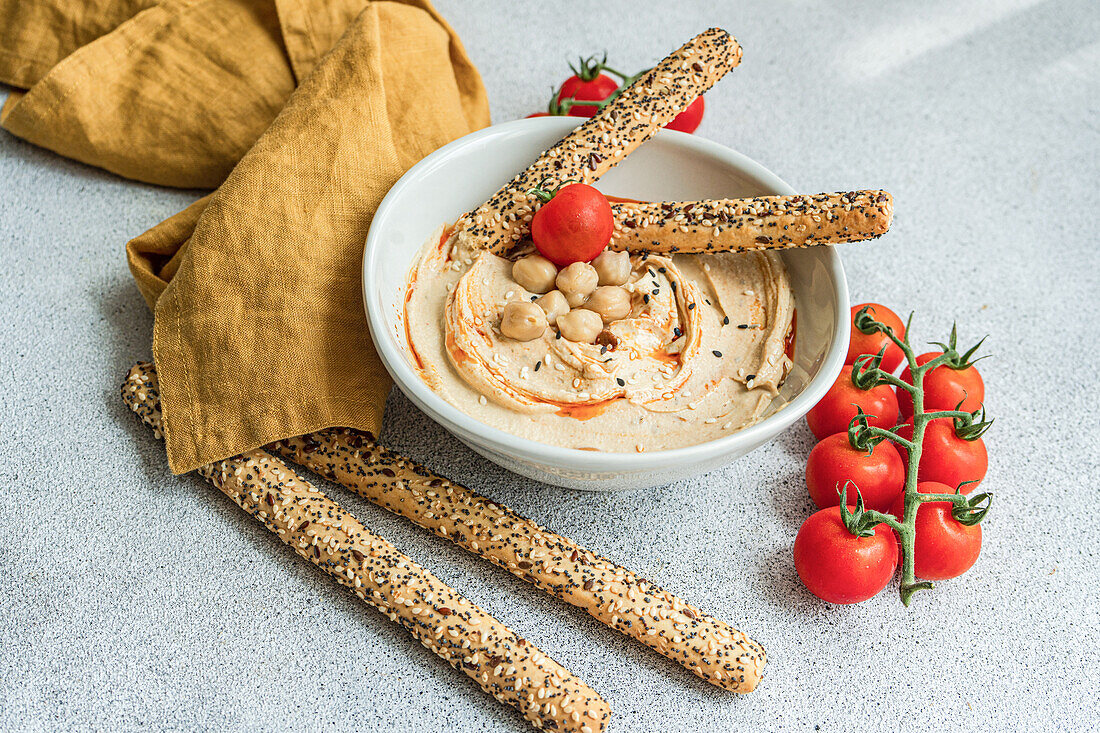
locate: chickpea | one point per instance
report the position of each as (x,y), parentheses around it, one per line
(554,304)
(576,282)
(534,273)
(610,302)
(580,325)
(523,321)
(612,267)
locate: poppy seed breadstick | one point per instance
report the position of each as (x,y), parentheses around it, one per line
(604,140)
(739,225)
(469,639)
(706,646)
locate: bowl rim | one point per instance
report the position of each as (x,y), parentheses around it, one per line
(495,439)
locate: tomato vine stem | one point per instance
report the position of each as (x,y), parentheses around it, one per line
(867,374)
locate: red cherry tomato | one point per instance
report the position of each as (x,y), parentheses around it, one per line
(871,343)
(944,388)
(946,458)
(596,90)
(574,226)
(689,119)
(838,407)
(838,567)
(943,547)
(880,476)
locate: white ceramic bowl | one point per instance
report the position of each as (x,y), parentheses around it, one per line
(671,166)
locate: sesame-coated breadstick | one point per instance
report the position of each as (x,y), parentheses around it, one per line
(710,648)
(469,639)
(738,225)
(603,141)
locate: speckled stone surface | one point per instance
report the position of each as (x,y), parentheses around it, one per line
(131,599)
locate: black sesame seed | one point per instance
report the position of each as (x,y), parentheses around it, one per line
(691,306)
(750,377)
(717,353)
(677,332)
(726,321)
(742,325)
(620,381)
(538,365)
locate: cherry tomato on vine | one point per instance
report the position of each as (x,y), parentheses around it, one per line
(596,87)
(573,226)
(838,567)
(946,458)
(944,388)
(689,119)
(879,476)
(943,547)
(872,343)
(837,408)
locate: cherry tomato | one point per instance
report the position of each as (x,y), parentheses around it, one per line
(838,406)
(944,388)
(943,547)
(574,226)
(871,343)
(689,119)
(838,567)
(947,458)
(880,476)
(596,89)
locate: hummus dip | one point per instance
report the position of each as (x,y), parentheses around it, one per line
(700,355)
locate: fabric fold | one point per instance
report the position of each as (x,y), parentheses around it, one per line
(174,96)
(260,332)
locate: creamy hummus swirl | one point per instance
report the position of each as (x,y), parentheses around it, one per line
(700,354)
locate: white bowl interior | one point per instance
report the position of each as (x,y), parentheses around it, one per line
(671,166)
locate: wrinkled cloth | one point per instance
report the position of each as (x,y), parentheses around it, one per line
(302,113)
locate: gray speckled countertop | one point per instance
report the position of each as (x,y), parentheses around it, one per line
(132,599)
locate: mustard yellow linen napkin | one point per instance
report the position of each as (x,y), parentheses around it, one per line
(260,332)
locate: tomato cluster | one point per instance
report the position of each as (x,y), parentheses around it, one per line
(836,564)
(589,84)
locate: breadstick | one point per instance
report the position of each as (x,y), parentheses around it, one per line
(503,664)
(738,225)
(603,141)
(710,648)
